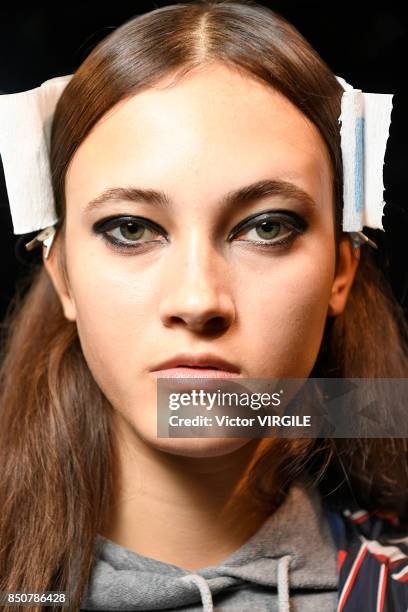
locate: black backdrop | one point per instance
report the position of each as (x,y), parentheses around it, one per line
(364,43)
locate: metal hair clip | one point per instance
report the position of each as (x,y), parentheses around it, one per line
(358,238)
(46,236)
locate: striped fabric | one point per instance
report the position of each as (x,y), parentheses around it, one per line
(372,560)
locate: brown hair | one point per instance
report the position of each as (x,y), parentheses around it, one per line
(57,458)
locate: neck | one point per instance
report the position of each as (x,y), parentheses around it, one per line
(188,511)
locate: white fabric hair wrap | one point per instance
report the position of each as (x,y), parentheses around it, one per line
(25,127)
(365,122)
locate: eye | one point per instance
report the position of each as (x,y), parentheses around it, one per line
(271,229)
(129,232)
(267,230)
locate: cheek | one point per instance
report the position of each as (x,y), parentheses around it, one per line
(113,313)
(283,310)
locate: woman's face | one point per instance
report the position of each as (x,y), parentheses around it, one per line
(190,280)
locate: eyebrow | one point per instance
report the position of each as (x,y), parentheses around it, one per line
(249,193)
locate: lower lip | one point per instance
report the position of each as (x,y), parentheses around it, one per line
(194,373)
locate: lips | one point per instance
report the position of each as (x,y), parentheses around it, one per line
(196,373)
(200,364)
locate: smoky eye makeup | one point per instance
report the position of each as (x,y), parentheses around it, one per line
(271,221)
(125,231)
(270,229)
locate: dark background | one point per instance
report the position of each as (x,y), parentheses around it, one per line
(363,43)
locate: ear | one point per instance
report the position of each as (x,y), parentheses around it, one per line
(349,258)
(53,267)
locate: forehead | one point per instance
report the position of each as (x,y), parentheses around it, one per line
(210,132)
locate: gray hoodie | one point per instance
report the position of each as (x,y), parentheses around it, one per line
(291,556)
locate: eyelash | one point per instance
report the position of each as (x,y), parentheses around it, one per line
(288,219)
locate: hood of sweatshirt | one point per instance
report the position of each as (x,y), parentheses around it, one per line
(294,546)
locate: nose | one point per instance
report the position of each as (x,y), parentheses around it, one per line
(196,293)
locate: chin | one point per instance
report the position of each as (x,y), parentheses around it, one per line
(198,447)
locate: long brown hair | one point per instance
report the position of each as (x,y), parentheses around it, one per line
(57,452)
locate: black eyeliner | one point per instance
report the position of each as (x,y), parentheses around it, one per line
(286,217)
(115,221)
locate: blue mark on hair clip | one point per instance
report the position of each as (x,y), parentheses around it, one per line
(359,165)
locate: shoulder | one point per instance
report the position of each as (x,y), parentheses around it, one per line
(372,559)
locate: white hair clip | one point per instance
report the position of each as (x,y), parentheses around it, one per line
(25,127)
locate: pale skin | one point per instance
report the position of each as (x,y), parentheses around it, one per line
(184,500)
